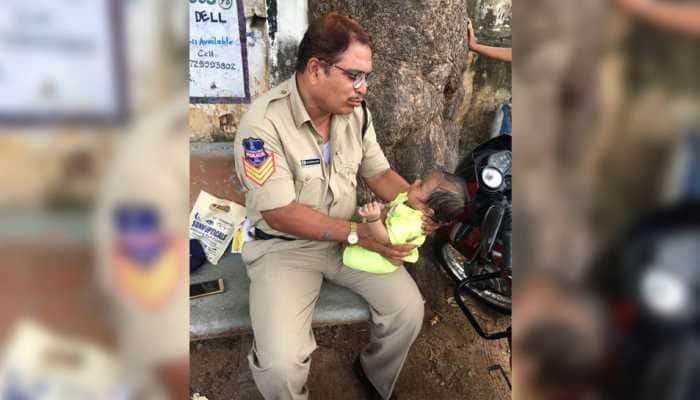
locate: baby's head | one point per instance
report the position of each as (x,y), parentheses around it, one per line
(440,191)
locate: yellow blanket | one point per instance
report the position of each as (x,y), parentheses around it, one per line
(404,225)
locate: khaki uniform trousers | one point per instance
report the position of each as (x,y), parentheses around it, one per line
(285,286)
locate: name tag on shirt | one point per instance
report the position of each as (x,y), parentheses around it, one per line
(310,161)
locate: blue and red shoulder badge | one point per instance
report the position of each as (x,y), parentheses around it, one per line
(258,164)
(145,260)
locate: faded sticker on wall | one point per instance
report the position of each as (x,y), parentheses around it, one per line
(62,61)
(218,61)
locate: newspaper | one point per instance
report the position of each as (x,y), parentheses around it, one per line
(213,221)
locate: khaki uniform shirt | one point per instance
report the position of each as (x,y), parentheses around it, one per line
(279,160)
(142,263)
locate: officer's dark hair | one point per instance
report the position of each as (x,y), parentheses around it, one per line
(448,199)
(328,37)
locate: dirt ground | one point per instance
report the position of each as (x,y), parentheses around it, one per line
(447,361)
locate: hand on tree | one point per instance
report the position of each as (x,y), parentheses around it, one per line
(627,5)
(472,36)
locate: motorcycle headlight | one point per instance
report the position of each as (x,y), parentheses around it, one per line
(501,161)
(492,177)
(665,293)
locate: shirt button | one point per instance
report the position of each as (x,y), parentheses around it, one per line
(284,92)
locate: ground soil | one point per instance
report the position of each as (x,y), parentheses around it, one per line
(447,361)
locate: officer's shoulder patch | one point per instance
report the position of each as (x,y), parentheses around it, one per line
(146,266)
(258,164)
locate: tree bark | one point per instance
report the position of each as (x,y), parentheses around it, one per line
(556,55)
(416,90)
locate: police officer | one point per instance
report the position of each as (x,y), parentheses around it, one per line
(298,152)
(141,221)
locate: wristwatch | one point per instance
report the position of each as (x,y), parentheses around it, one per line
(352,236)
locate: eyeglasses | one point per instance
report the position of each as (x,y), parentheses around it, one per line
(357,77)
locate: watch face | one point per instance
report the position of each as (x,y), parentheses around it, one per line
(352,238)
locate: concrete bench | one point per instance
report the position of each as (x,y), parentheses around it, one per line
(227,313)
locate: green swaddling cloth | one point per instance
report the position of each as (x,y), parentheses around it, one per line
(404,225)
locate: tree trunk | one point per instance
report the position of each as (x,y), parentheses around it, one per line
(556,53)
(416,90)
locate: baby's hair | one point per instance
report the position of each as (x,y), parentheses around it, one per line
(448,199)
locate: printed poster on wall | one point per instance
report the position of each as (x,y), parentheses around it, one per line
(62,61)
(218,62)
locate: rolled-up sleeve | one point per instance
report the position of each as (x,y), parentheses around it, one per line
(266,179)
(373,160)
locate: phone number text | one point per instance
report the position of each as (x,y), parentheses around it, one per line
(212,64)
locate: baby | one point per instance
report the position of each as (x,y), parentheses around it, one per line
(440,193)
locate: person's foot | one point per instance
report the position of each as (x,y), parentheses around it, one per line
(370,391)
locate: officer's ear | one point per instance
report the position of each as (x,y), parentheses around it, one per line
(314,68)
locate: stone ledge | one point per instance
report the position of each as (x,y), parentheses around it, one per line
(212,170)
(41,228)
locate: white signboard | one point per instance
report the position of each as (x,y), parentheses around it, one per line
(61,61)
(218,62)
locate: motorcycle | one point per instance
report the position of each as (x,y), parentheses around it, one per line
(641,297)
(475,251)
(648,282)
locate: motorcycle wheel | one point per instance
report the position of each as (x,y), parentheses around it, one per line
(453,262)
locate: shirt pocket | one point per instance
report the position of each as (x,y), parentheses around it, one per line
(347,168)
(311,188)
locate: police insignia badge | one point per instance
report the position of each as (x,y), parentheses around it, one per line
(258,165)
(146,265)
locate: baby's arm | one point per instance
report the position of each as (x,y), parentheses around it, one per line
(375,221)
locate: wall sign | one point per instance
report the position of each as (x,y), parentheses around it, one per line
(218,62)
(62,61)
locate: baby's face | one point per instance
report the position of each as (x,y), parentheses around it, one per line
(419,191)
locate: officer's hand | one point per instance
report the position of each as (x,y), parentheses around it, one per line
(429,225)
(393,253)
(396,254)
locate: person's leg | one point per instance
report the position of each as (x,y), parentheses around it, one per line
(396,308)
(283,293)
